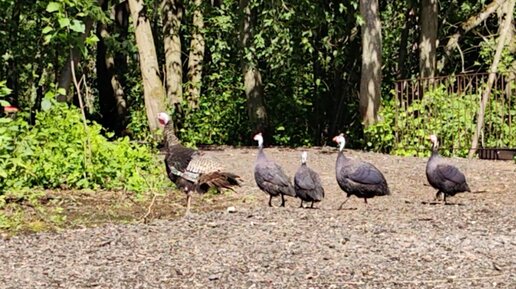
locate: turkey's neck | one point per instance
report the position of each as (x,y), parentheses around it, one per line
(170,137)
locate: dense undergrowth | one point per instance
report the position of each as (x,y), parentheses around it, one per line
(450,116)
(62,151)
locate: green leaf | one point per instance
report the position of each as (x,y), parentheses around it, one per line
(63,22)
(53,6)
(46,104)
(61,91)
(47,38)
(92,40)
(47,30)
(4,103)
(78,26)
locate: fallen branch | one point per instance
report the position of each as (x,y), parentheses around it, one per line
(465,27)
(149,210)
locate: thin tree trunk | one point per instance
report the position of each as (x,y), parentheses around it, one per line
(465,27)
(65,74)
(402,57)
(428,41)
(153,91)
(12,75)
(196,55)
(253,85)
(504,32)
(172,14)
(371,72)
(113,106)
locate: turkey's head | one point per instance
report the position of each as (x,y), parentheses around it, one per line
(163,118)
(340,140)
(259,138)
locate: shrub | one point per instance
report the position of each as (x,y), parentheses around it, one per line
(59,151)
(450,116)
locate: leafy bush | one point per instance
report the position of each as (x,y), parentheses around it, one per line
(59,151)
(450,116)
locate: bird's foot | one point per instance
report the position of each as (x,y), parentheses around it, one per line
(454,204)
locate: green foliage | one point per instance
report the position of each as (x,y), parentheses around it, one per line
(59,151)
(450,116)
(221,116)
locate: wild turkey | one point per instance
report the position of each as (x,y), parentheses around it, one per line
(269,176)
(445,178)
(307,184)
(190,169)
(357,177)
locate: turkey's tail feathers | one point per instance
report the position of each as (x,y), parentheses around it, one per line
(218,180)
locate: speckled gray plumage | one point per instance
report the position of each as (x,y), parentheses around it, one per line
(444,177)
(307,185)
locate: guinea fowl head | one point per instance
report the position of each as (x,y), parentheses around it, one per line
(340,140)
(259,138)
(304,156)
(163,118)
(433,139)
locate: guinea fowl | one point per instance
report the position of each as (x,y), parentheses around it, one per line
(269,176)
(190,169)
(445,178)
(307,184)
(357,177)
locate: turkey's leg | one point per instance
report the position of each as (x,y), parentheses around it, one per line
(188,198)
(270,200)
(301,204)
(365,200)
(282,200)
(438,196)
(312,206)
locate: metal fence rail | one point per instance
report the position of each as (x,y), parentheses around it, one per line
(450,104)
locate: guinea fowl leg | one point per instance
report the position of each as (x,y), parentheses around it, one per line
(301,204)
(340,208)
(282,200)
(270,200)
(312,206)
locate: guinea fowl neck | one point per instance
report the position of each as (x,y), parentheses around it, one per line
(435,149)
(261,153)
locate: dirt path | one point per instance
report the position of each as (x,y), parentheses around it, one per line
(394,242)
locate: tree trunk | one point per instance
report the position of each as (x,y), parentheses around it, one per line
(504,32)
(371,74)
(402,57)
(465,27)
(112,102)
(172,14)
(12,76)
(65,74)
(428,41)
(153,91)
(196,55)
(253,85)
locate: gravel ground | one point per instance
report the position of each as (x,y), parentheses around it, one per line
(398,241)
